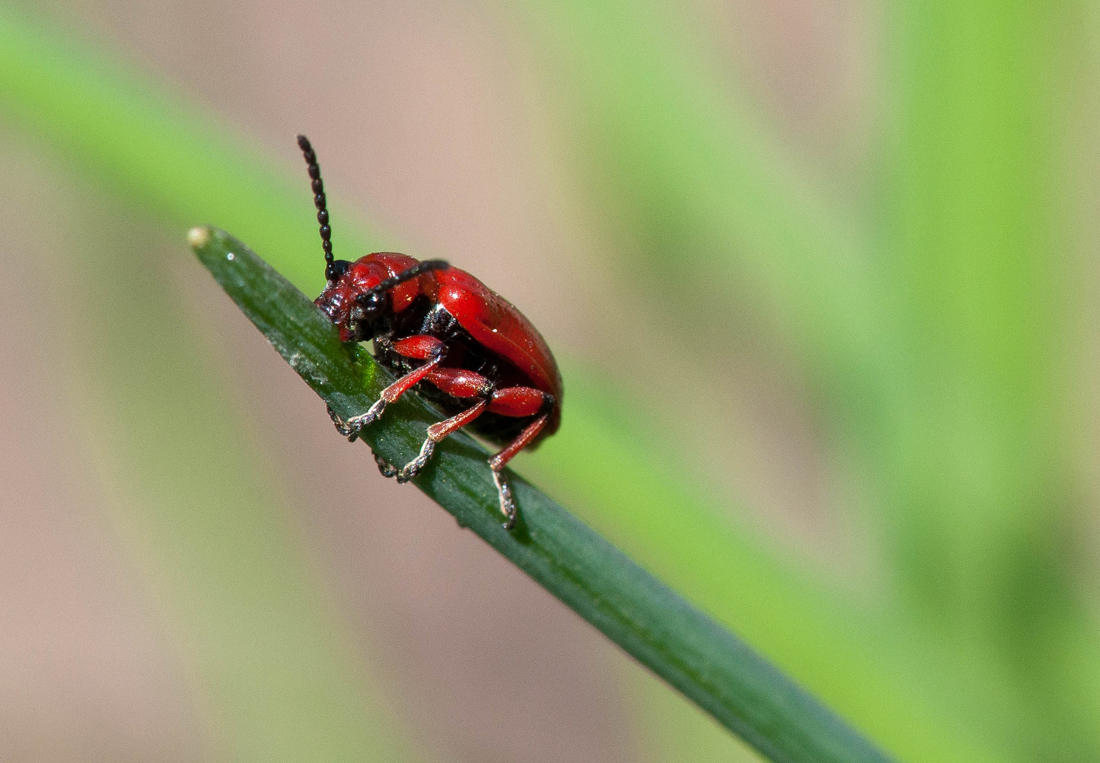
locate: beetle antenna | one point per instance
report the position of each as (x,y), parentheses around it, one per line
(332,268)
(407,275)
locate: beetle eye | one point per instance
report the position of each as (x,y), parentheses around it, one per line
(373,304)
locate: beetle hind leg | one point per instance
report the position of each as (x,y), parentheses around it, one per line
(501,459)
(507,502)
(516,402)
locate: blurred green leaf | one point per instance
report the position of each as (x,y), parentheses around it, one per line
(979,492)
(952,380)
(673,163)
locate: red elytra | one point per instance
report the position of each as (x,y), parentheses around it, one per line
(462,345)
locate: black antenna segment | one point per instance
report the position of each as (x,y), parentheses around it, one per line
(407,275)
(333,269)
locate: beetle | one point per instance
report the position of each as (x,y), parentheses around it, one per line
(451,338)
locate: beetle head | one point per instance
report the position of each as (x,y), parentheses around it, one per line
(357,300)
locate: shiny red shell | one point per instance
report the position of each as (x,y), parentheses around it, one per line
(493,322)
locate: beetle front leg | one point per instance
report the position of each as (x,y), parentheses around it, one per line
(351,428)
(420,347)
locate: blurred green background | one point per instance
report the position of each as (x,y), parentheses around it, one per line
(821,279)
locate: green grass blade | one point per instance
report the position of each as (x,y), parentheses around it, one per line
(709,665)
(977,263)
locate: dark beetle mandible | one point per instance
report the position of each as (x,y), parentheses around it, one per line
(462,345)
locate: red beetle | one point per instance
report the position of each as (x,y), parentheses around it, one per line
(462,345)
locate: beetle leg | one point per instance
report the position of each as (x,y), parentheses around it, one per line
(420,347)
(501,459)
(460,383)
(507,502)
(351,428)
(437,432)
(518,402)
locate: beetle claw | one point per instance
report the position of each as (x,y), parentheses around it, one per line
(351,428)
(413,468)
(341,425)
(388,470)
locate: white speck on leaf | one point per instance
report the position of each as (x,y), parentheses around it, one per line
(231,256)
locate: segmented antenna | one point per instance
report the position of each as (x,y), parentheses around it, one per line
(407,275)
(332,272)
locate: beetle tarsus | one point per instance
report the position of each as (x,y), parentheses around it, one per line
(507,502)
(388,470)
(341,427)
(351,428)
(357,424)
(411,469)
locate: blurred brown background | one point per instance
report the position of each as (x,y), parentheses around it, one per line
(445,129)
